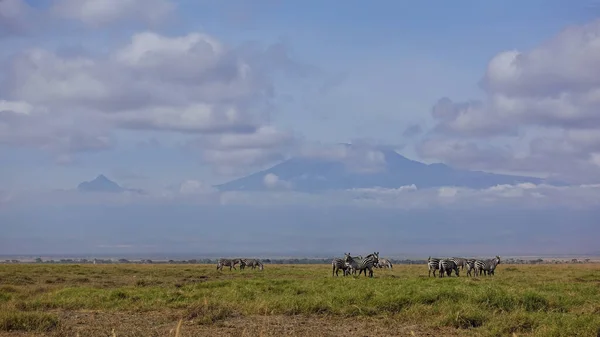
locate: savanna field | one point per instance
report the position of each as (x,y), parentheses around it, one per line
(296,300)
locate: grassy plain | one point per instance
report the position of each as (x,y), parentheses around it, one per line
(298,300)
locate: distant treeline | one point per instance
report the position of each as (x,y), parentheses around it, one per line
(270,261)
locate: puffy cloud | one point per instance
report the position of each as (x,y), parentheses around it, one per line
(97,13)
(546,98)
(463,153)
(22,124)
(191,84)
(272,181)
(239,153)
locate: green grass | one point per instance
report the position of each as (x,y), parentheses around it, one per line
(527,300)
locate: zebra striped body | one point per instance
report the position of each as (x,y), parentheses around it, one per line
(350,269)
(227,263)
(338,264)
(447,266)
(470,264)
(486,266)
(384,263)
(433,264)
(363,264)
(460,262)
(252,263)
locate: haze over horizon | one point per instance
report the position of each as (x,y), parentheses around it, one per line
(268,127)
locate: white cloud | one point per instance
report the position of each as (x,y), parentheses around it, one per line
(552,88)
(447,192)
(520,196)
(195,187)
(384,191)
(97,13)
(15,107)
(272,181)
(190,84)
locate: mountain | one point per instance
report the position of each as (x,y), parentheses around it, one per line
(100,184)
(311,175)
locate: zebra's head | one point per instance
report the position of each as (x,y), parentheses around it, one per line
(348,258)
(497,259)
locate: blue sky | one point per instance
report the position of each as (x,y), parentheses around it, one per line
(157,94)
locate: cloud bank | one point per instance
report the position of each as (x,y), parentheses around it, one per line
(545,100)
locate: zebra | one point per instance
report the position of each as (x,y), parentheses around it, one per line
(252,263)
(460,262)
(383,263)
(362,264)
(470,264)
(338,264)
(486,266)
(447,265)
(350,269)
(228,263)
(433,264)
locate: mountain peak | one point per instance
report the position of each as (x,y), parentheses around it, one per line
(100,184)
(102,177)
(312,174)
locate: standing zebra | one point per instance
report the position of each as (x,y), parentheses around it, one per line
(228,263)
(384,263)
(447,265)
(433,264)
(460,262)
(362,264)
(252,263)
(486,266)
(470,264)
(338,264)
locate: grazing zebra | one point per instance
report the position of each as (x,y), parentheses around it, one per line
(486,266)
(447,265)
(252,263)
(383,263)
(460,262)
(362,264)
(470,264)
(433,263)
(227,263)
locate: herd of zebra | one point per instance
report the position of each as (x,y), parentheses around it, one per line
(252,263)
(351,264)
(475,267)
